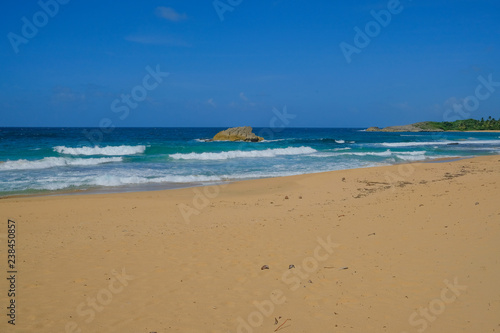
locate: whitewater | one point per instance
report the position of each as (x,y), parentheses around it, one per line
(48,160)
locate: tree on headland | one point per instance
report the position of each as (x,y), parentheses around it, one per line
(468,125)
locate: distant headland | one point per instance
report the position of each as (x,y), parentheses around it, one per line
(473,125)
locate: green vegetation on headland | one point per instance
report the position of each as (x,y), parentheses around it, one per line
(489,124)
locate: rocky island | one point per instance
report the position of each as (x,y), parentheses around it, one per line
(237,134)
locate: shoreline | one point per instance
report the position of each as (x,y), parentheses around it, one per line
(57,166)
(153,187)
(402,230)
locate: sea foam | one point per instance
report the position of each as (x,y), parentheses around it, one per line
(245,154)
(108,180)
(404,155)
(51,162)
(108,150)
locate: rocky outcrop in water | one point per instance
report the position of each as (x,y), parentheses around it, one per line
(237,134)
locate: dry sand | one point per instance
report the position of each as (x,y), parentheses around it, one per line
(408,248)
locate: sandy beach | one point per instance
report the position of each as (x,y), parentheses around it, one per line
(403,248)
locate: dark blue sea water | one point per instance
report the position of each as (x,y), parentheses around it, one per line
(44,160)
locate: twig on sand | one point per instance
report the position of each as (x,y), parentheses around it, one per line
(282,325)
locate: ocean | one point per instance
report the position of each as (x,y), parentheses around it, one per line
(70,160)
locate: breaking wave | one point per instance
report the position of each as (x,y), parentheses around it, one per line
(108,150)
(52,162)
(245,154)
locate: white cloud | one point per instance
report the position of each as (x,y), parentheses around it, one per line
(401,106)
(452,101)
(62,94)
(170,14)
(243,97)
(211,102)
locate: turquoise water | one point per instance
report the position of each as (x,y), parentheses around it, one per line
(48,160)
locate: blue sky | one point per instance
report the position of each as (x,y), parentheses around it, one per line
(85,56)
